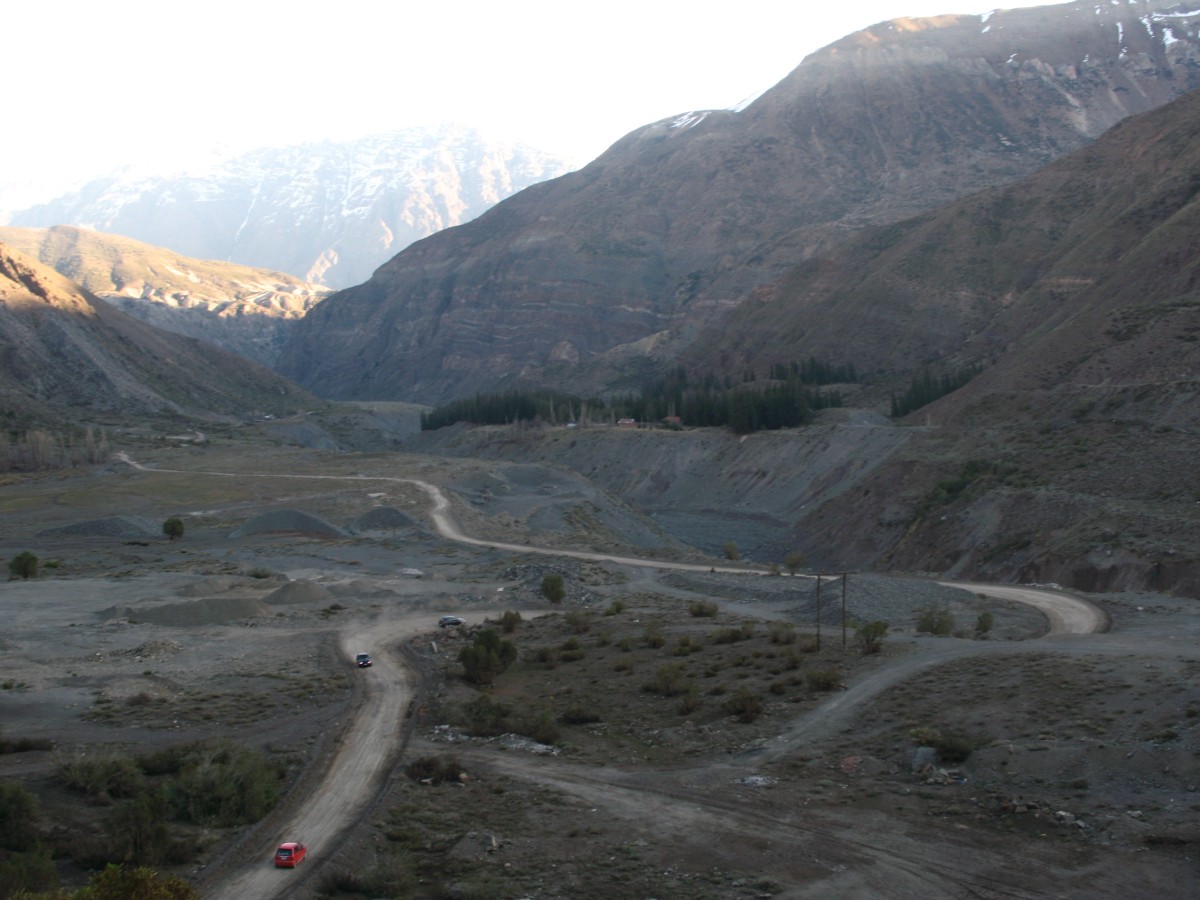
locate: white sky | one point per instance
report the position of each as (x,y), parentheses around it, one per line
(95,84)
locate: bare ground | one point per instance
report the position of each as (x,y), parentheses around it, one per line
(1081,778)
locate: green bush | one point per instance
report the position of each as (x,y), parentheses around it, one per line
(936,620)
(485,717)
(487,657)
(731,551)
(653,636)
(28,870)
(781,632)
(222,784)
(870,635)
(23,565)
(579,621)
(18,817)
(103,777)
(173,528)
(615,608)
(702,608)
(553,588)
(509,621)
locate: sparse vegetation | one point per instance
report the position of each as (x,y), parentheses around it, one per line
(702,608)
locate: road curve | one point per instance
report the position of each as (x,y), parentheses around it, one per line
(371,738)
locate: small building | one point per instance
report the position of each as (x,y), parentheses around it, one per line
(627,423)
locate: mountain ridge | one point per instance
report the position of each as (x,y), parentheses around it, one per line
(681,220)
(327,212)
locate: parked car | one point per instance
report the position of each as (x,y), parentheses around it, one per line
(450,621)
(290,854)
(363,660)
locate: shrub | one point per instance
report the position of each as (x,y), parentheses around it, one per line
(553,588)
(485,717)
(577,715)
(579,621)
(117,883)
(870,635)
(27,870)
(18,817)
(731,551)
(702,608)
(687,646)
(689,702)
(434,769)
(23,565)
(615,608)
(935,620)
(509,621)
(670,681)
(103,777)
(732,635)
(219,783)
(541,727)
(793,561)
(571,650)
(487,656)
(547,656)
(173,528)
(984,624)
(781,632)
(653,636)
(953,746)
(745,705)
(823,679)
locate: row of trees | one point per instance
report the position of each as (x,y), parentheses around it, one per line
(37,449)
(749,406)
(927,387)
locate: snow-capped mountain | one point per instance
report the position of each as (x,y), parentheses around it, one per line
(328,212)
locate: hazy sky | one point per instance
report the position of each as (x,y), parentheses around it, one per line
(95,85)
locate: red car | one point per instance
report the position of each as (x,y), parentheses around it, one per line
(290,855)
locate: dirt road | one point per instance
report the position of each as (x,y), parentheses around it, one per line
(368,745)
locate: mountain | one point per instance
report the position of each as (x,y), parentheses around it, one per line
(244,310)
(1072,457)
(328,212)
(590,280)
(67,358)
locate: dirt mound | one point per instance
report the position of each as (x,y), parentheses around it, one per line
(298,592)
(210,611)
(289,521)
(211,586)
(110,526)
(382,518)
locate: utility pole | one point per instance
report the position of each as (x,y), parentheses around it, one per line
(818,613)
(843,610)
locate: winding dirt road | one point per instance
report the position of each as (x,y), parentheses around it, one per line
(365,755)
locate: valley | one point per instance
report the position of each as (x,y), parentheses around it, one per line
(1077,779)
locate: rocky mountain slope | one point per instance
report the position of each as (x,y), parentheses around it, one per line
(244,310)
(69,358)
(1070,459)
(327,213)
(586,280)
